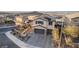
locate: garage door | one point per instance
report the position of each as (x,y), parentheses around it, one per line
(49,31)
(41,31)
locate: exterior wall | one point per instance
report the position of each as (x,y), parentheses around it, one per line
(59,20)
(19,20)
(32,17)
(2,19)
(45,24)
(50,26)
(39,27)
(70,16)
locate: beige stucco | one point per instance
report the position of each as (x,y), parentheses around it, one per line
(19,20)
(46,24)
(39,27)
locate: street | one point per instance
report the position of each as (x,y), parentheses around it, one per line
(5,42)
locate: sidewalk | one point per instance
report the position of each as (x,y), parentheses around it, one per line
(17,41)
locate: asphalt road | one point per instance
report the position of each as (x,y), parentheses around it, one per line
(5,42)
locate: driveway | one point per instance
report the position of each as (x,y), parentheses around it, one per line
(39,40)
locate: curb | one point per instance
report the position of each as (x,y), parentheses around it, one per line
(6,27)
(17,41)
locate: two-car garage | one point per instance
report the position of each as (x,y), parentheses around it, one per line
(42,31)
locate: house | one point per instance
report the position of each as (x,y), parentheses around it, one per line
(42,24)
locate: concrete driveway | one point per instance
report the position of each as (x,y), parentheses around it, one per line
(39,40)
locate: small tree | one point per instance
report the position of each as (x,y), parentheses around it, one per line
(70,31)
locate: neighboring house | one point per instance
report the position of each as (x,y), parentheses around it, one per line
(2,18)
(10,17)
(73,18)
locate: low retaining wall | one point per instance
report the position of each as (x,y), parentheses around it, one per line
(17,41)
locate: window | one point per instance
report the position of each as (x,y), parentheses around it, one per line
(39,22)
(48,18)
(50,23)
(58,17)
